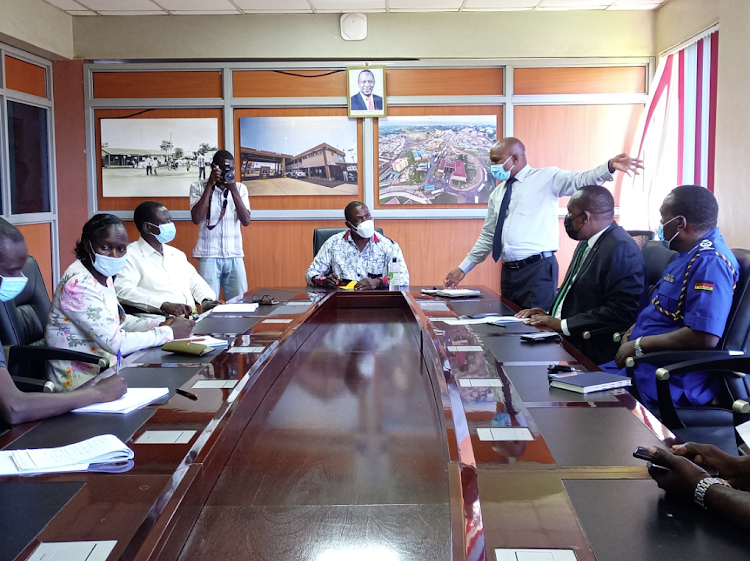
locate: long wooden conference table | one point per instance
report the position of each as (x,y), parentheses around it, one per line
(359,425)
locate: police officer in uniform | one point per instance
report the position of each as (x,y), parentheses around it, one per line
(691,302)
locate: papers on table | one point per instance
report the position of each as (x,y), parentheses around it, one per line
(464,348)
(206,340)
(494,320)
(283,320)
(242,350)
(457,292)
(165,437)
(433,305)
(106,448)
(134,398)
(504,433)
(480,383)
(214,384)
(73,551)
(744,431)
(235,308)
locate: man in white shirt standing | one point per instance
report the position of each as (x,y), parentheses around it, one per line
(201,161)
(157,278)
(521,227)
(220,206)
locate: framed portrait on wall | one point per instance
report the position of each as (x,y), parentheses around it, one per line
(366,91)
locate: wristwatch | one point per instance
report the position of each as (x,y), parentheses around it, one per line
(703,485)
(638,349)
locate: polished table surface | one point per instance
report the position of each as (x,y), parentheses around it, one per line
(353,434)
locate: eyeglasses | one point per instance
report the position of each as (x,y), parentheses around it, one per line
(265,300)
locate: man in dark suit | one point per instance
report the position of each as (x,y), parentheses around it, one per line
(365,100)
(606,284)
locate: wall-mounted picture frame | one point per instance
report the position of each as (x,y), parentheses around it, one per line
(310,155)
(155,157)
(366,91)
(435,159)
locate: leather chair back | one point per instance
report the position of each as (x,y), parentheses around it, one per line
(641,237)
(657,258)
(320,235)
(23,319)
(737,331)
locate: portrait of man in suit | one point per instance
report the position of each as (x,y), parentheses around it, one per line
(606,284)
(366,102)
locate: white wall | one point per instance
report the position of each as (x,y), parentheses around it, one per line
(36,27)
(679,20)
(585,33)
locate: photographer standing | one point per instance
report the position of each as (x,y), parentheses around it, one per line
(219,206)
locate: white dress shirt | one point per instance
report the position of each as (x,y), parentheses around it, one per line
(225,240)
(532,224)
(150,278)
(591,243)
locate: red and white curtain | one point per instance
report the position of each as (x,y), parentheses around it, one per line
(677,134)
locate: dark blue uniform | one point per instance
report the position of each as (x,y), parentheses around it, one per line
(696,292)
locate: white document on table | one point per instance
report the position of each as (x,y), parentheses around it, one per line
(134,398)
(165,437)
(242,350)
(73,551)
(504,434)
(497,320)
(214,384)
(235,308)
(105,448)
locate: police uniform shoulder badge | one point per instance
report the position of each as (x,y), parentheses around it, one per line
(669,278)
(706,244)
(705,286)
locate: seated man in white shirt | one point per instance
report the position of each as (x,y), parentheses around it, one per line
(158,279)
(358,254)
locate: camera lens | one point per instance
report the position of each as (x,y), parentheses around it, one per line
(228,176)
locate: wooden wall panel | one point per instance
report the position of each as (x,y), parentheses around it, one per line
(70,155)
(25,77)
(289,83)
(614,79)
(129,203)
(39,240)
(277,253)
(142,85)
(576,137)
(425,110)
(449,81)
(299,201)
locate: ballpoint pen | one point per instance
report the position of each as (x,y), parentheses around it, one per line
(189,395)
(118,364)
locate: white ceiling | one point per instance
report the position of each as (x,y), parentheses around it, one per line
(202,7)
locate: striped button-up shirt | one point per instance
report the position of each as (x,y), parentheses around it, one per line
(225,240)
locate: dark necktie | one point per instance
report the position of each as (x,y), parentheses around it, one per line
(497,242)
(572,271)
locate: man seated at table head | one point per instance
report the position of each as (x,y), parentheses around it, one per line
(357,254)
(17,406)
(157,278)
(691,302)
(606,284)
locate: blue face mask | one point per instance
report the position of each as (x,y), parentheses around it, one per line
(499,172)
(10,287)
(108,266)
(660,233)
(166,233)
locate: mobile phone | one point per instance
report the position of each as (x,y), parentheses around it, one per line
(542,336)
(642,454)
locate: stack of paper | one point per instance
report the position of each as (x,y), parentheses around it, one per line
(235,308)
(457,292)
(134,398)
(106,448)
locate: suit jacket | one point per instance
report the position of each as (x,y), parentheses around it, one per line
(358,102)
(610,289)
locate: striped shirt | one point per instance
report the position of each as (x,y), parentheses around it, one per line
(225,240)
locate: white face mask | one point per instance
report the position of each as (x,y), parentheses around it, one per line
(366,229)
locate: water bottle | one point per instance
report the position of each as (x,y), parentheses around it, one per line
(394,275)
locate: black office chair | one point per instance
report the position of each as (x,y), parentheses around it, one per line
(657,259)
(22,323)
(641,237)
(711,423)
(320,235)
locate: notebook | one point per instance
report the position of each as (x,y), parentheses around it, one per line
(587,382)
(134,398)
(102,449)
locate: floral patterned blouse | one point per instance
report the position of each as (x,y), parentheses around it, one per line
(85,316)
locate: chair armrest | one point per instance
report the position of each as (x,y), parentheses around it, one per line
(733,363)
(610,330)
(673,357)
(32,384)
(18,354)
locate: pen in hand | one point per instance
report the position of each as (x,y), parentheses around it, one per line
(118,364)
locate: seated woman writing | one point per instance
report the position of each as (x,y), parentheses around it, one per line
(85,315)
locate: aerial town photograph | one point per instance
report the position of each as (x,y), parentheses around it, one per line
(440,159)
